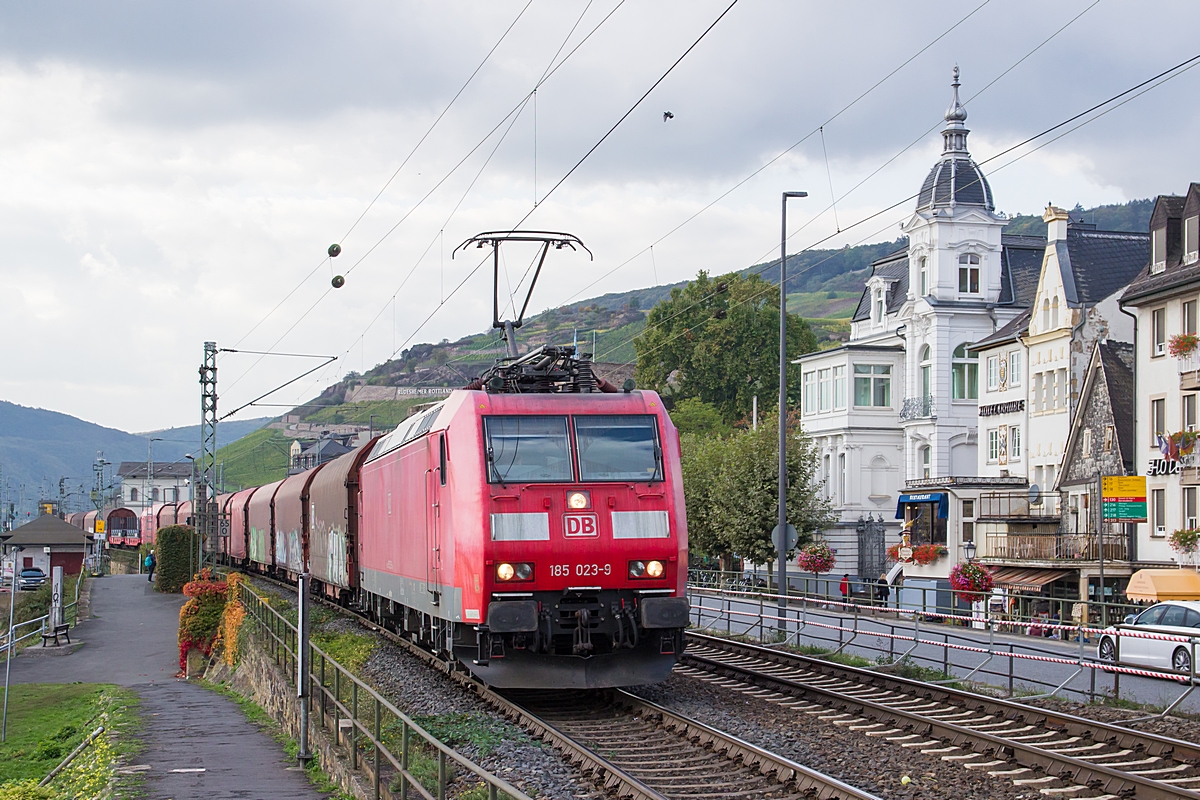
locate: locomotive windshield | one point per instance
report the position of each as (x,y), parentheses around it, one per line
(523,449)
(618,448)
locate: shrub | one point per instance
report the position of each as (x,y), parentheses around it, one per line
(231,620)
(26,790)
(175,549)
(200,618)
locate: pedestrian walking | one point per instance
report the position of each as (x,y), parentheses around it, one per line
(882,590)
(845,587)
(150,563)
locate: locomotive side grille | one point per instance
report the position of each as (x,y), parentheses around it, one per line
(640,525)
(521,527)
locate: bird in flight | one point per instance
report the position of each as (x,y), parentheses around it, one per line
(668,115)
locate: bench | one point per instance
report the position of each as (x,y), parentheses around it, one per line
(57,630)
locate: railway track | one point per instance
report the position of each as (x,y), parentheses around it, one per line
(634,749)
(1059,754)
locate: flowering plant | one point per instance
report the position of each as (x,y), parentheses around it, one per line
(921,554)
(200,617)
(1182,344)
(970,580)
(816,558)
(1185,541)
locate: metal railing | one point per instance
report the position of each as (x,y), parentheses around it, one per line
(918,408)
(898,636)
(355,711)
(1189,363)
(1053,547)
(70,617)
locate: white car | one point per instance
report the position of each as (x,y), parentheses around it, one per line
(1173,618)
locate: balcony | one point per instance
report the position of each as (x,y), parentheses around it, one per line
(1189,371)
(918,408)
(1015,506)
(1053,547)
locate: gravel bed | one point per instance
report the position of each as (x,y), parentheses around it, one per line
(420,690)
(1186,728)
(850,756)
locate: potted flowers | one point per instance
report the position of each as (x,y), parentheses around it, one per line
(1182,344)
(1185,541)
(922,554)
(969,581)
(816,557)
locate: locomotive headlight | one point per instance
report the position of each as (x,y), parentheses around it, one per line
(637,569)
(579,500)
(654,569)
(518,571)
(524,571)
(505,572)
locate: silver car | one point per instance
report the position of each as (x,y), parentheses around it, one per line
(1179,618)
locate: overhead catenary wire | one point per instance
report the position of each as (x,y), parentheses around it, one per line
(549,73)
(1135,91)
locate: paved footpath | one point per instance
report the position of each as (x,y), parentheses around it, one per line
(130,640)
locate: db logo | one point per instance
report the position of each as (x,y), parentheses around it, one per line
(580,525)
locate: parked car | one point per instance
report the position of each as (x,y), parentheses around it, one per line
(30,578)
(1173,618)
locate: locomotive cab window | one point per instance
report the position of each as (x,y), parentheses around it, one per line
(527,449)
(618,448)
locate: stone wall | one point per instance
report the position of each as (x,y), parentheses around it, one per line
(258,678)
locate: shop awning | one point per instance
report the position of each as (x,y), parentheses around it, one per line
(1026,580)
(941,498)
(1164,584)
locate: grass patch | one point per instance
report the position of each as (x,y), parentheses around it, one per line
(351,650)
(458,730)
(256,459)
(47,721)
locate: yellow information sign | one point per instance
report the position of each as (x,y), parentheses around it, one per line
(1123,498)
(99,526)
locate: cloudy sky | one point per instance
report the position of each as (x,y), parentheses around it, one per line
(173,173)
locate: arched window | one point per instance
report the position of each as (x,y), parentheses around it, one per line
(133,494)
(1045,315)
(1054,313)
(965,370)
(968,273)
(877,307)
(926,462)
(924,276)
(926,372)
(154,494)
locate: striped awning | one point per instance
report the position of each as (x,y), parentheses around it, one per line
(1026,580)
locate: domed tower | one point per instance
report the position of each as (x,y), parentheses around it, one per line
(954,236)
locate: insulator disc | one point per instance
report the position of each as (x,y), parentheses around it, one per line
(338,281)
(335,250)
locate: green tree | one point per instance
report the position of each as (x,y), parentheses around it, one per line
(731,490)
(718,341)
(692,415)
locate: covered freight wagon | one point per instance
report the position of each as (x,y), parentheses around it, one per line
(261,511)
(333,524)
(291,522)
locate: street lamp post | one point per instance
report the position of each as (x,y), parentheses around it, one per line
(781,543)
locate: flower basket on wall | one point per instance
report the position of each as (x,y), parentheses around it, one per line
(970,581)
(1185,541)
(922,554)
(1182,344)
(816,557)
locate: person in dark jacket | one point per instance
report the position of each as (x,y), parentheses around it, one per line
(150,563)
(882,590)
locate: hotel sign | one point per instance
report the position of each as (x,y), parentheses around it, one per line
(1010,407)
(1123,498)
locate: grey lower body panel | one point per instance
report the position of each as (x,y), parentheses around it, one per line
(521,669)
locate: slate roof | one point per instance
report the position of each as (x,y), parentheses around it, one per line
(137,469)
(47,530)
(1117,360)
(891,267)
(1167,209)
(1100,263)
(1008,333)
(955,181)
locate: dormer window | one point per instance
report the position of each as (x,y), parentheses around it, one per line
(877,307)
(924,276)
(1191,240)
(968,273)
(1158,251)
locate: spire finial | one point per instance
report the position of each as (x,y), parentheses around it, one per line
(956,112)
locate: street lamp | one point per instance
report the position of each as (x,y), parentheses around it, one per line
(969,550)
(782,543)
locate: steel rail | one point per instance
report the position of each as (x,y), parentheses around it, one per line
(610,776)
(1059,765)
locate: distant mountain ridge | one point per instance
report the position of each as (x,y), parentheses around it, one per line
(38,447)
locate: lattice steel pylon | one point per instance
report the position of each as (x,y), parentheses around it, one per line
(204,503)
